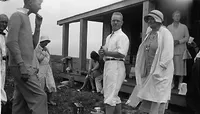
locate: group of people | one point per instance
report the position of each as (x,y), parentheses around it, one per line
(29,61)
(159,57)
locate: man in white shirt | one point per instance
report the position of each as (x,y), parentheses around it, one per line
(3,26)
(114,52)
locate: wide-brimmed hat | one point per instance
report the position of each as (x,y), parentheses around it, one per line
(44,38)
(157,15)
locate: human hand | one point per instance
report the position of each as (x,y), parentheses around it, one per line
(176,42)
(90,71)
(193,44)
(24,72)
(101,52)
(38,21)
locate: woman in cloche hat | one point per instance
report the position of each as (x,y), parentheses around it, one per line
(154,67)
(45,72)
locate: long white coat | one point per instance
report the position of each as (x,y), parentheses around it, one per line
(157,86)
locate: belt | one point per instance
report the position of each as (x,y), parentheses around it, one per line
(113,59)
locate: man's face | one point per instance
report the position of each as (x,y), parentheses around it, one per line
(3,24)
(116,22)
(176,17)
(35,5)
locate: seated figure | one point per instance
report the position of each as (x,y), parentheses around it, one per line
(95,72)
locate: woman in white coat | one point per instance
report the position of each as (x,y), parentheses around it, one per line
(45,72)
(154,66)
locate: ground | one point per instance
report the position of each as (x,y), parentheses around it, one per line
(66,96)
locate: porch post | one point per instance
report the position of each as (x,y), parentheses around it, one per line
(147,7)
(65,39)
(83,44)
(106,30)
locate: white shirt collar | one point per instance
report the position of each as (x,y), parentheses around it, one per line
(23,10)
(117,31)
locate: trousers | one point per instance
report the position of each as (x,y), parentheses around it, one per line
(29,97)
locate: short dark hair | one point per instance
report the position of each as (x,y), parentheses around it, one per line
(94,55)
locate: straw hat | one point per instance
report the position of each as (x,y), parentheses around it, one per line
(157,15)
(44,38)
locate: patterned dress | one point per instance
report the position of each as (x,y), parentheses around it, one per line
(151,45)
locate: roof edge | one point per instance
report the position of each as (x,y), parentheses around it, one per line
(98,11)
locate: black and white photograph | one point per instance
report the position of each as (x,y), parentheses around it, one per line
(100,56)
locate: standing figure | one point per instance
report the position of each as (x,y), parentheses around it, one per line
(193,85)
(154,66)
(3,26)
(181,36)
(45,72)
(29,97)
(114,52)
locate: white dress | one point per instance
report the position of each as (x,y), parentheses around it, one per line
(45,72)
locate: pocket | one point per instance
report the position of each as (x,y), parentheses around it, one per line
(158,72)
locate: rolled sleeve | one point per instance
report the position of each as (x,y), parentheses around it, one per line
(12,38)
(123,45)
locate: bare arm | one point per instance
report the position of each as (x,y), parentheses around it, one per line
(114,54)
(95,67)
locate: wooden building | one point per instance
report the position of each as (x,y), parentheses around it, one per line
(134,25)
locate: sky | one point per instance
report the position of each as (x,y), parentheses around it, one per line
(54,10)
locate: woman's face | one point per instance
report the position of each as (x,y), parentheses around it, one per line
(44,43)
(151,22)
(176,17)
